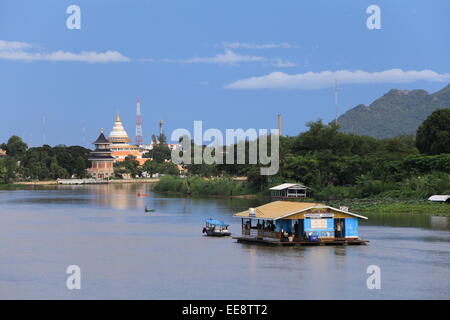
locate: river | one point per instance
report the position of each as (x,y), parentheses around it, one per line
(124,253)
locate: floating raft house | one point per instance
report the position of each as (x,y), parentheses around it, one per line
(299,223)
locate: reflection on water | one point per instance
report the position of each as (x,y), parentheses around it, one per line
(126,253)
(408,220)
(116,196)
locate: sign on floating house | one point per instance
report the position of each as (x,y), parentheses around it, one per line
(299,223)
(440,198)
(288,190)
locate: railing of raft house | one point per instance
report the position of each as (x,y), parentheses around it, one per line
(269,234)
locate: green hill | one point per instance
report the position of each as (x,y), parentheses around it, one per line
(397,112)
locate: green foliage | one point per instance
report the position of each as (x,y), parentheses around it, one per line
(398,170)
(8,170)
(201,186)
(392,205)
(43,163)
(160,153)
(417,187)
(15,147)
(172,184)
(151,167)
(433,136)
(334,165)
(128,166)
(306,167)
(167,168)
(256,180)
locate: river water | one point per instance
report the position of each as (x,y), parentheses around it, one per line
(125,253)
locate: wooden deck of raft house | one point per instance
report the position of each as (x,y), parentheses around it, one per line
(286,223)
(271,242)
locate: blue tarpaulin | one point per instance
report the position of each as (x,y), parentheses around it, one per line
(216,222)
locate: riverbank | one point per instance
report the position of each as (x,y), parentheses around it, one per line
(12,186)
(402,206)
(224,188)
(55,182)
(197,186)
(227,187)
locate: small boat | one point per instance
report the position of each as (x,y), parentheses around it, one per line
(148,210)
(216,228)
(142,194)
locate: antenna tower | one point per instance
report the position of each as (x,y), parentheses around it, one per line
(44,138)
(138,122)
(336,100)
(161,127)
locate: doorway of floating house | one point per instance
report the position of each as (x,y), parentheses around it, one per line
(339,228)
(299,228)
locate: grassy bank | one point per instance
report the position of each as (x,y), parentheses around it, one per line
(394,206)
(12,186)
(202,186)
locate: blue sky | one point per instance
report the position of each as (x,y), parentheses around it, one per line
(192,60)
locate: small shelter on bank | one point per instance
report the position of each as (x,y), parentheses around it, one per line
(299,223)
(288,190)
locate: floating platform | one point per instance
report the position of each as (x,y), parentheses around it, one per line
(81,181)
(333,242)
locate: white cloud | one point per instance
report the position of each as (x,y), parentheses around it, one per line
(278,62)
(13,45)
(325,79)
(229,57)
(247,45)
(20,51)
(147,60)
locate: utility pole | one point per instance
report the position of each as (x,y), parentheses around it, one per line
(336,100)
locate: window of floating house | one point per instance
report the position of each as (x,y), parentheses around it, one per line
(286,225)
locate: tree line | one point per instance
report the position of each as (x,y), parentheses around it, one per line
(336,165)
(41,163)
(333,164)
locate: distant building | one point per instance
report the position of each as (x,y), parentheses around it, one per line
(440,198)
(101,159)
(120,146)
(171,146)
(288,190)
(2,153)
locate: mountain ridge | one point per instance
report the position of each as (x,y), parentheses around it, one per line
(397,112)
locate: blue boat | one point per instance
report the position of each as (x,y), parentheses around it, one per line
(216,228)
